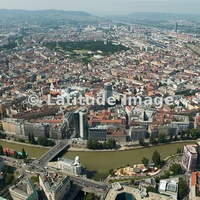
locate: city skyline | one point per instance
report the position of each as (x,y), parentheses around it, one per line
(109,7)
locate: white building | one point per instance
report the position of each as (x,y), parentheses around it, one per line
(70,166)
(169,187)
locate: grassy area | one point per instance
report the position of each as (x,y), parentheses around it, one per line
(79,50)
(84,46)
(34,152)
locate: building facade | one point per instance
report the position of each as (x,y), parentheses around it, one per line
(2,165)
(137,132)
(189,159)
(81,122)
(108,90)
(24,190)
(54,186)
(68,166)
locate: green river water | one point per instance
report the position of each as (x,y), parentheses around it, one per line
(99,163)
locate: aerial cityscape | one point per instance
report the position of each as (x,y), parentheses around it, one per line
(99,102)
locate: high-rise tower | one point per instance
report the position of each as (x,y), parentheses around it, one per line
(176,27)
(108,90)
(81,122)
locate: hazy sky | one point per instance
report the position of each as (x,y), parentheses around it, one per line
(106,7)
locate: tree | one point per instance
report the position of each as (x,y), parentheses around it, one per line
(161,138)
(89,144)
(15,155)
(51,143)
(183,189)
(156,158)
(1,150)
(191,118)
(141,142)
(194,134)
(176,169)
(151,189)
(33,139)
(188,134)
(178,151)
(9,178)
(171,137)
(132,181)
(29,138)
(111,143)
(175,138)
(165,175)
(145,161)
(23,153)
(90,196)
(104,145)
(111,172)
(42,141)
(152,140)
(182,135)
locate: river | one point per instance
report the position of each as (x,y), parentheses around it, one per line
(99,163)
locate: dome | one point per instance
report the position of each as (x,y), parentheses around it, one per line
(77,159)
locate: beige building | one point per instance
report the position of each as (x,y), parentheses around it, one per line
(13,126)
(55,186)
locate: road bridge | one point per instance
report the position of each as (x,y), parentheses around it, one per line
(54,151)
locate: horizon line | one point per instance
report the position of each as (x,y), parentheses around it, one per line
(91,13)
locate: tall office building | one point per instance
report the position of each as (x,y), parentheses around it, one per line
(81,122)
(176,27)
(189,158)
(108,90)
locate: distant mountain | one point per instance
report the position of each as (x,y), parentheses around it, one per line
(42,12)
(164,16)
(55,16)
